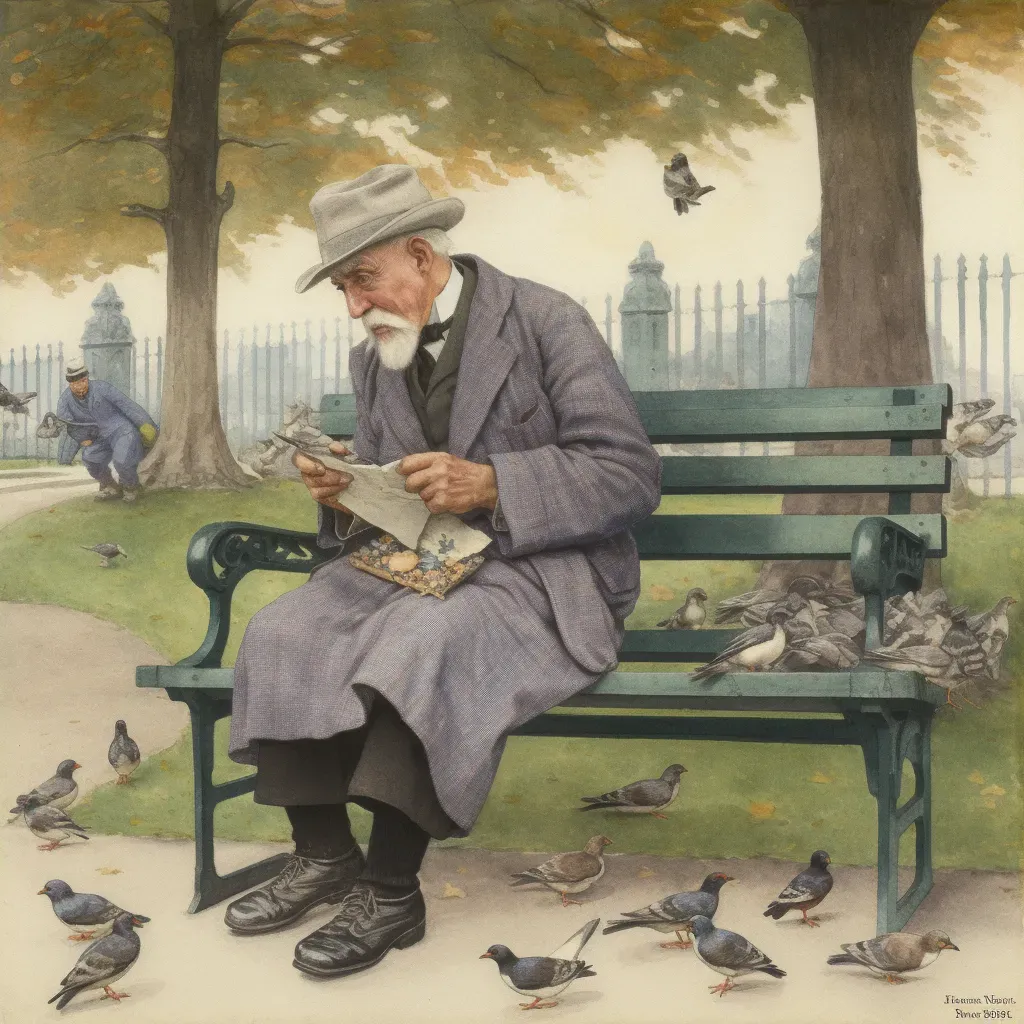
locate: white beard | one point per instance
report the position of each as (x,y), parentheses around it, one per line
(398,350)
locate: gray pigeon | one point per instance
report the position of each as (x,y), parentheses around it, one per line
(86,914)
(894,953)
(981,438)
(992,629)
(60,790)
(105,961)
(729,953)
(959,641)
(756,648)
(966,413)
(16,401)
(649,796)
(124,755)
(754,607)
(107,552)
(832,652)
(544,977)
(691,614)
(568,872)
(805,891)
(674,913)
(681,186)
(50,823)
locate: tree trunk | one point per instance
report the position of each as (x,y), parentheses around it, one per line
(869,318)
(192,450)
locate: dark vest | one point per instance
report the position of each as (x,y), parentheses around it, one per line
(435,407)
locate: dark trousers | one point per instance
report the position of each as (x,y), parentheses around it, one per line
(381,762)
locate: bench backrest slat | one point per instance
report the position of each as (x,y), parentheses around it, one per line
(790,398)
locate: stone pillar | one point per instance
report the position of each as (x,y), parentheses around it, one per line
(806,291)
(646,302)
(108,345)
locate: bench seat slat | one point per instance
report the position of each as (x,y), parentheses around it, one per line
(759,474)
(767,536)
(772,398)
(674,644)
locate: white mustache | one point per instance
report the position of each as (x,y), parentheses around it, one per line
(400,348)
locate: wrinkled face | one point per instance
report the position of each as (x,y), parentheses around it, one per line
(80,387)
(391,288)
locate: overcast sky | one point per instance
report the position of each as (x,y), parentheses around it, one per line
(755,223)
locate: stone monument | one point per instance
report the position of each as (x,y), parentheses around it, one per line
(108,345)
(646,303)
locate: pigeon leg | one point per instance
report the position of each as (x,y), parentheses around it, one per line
(894,979)
(109,993)
(949,700)
(82,936)
(537,1004)
(969,701)
(50,846)
(681,943)
(566,901)
(658,814)
(809,921)
(722,988)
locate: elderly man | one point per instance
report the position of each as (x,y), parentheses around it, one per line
(506,408)
(110,429)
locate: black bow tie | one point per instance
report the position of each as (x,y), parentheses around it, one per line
(434,332)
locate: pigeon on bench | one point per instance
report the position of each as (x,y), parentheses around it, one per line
(756,648)
(805,891)
(542,978)
(85,913)
(691,614)
(649,796)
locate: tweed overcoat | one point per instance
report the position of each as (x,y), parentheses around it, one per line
(540,397)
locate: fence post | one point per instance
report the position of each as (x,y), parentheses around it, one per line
(145,363)
(308,359)
(698,338)
(762,344)
(938,368)
(160,372)
(961,301)
(1007,380)
(983,334)
(719,353)
(267,359)
(741,312)
(49,384)
(254,356)
(60,363)
(608,322)
(295,363)
(791,300)
(337,354)
(280,367)
(241,391)
(644,313)
(677,324)
(323,363)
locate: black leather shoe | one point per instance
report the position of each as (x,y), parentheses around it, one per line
(367,927)
(304,883)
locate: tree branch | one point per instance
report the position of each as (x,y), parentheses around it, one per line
(138,210)
(150,19)
(159,143)
(251,143)
(236,12)
(225,200)
(318,48)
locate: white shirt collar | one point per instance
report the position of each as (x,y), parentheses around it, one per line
(444,306)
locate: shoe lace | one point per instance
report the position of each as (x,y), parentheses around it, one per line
(360,902)
(289,871)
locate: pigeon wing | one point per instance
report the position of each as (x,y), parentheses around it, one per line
(878,953)
(748,638)
(728,949)
(571,948)
(88,908)
(102,960)
(565,867)
(805,887)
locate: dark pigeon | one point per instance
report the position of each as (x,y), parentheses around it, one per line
(805,891)
(105,961)
(84,913)
(16,401)
(649,796)
(124,755)
(681,186)
(729,953)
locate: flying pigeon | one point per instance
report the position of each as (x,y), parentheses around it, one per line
(756,648)
(123,755)
(832,652)
(806,891)
(674,913)
(894,953)
(107,552)
(50,823)
(59,790)
(681,186)
(981,438)
(86,914)
(728,953)
(649,796)
(544,977)
(568,872)
(691,614)
(16,401)
(52,425)
(966,413)
(992,628)
(105,961)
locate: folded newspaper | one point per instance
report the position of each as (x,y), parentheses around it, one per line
(378,495)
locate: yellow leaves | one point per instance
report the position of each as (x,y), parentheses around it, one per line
(512,798)
(133,821)
(19,57)
(164,766)
(462,871)
(452,892)
(110,871)
(660,593)
(976,777)
(412,35)
(153,176)
(821,778)
(17,79)
(645,873)
(761,811)
(993,791)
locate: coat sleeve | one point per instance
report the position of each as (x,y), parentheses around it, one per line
(602,475)
(132,410)
(74,434)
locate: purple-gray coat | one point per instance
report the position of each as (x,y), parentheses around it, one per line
(540,397)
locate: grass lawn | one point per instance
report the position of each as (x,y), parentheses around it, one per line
(739,800)
(23,464)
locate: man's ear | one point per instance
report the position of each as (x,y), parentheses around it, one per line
(422,252)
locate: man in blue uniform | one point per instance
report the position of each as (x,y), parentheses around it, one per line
(110,429)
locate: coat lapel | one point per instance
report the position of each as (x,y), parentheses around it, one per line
(486,360)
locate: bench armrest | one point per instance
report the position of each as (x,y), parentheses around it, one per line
(220,554)
(885,559)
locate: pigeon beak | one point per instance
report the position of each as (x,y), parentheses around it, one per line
(729,878)
(949,945)
(42,892)
(77,765)
(485,956)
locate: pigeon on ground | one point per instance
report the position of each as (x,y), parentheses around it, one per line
(894,953)
(544,977)
(60,790)
(107,552)
(107,960)
(806,890)
(992,628)
(674,913)
(681,186)
(756,648)
(649,796)
(124,755)
(728,953)
(86,914)
(50,823)
(832,652)
(568,872)
(16,401)
(691,614)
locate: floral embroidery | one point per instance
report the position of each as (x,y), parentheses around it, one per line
(386,558)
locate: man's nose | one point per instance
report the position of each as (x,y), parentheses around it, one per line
(358,304)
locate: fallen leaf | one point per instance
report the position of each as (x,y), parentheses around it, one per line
(512,798)
(110,871)
(660,593)
(452,892)
(35,536)
(990,803)
(993,790)
(645,873)
(74,721)
(155,618)
(817,823)
(164,766)
(821,777)
(134,821)
(761,811)
(462,871)
(552,778)
(976,777)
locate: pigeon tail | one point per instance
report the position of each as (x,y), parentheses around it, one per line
(776,910)
(679,205)
(586,972)
(65,995)
(842,958)
(775,972)
(139,919)
(704,190)
(618,926)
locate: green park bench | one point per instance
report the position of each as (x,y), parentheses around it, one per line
(887,714)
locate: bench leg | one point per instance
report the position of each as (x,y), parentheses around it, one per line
(210,887)
(887,740)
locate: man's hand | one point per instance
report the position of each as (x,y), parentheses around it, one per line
(323,483)
(84,443)
(447,483)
